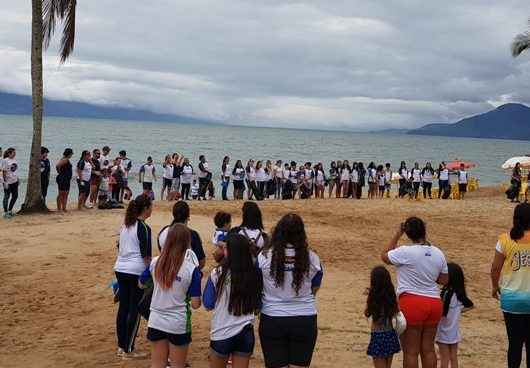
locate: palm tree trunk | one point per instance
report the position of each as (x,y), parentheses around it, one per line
(34,201)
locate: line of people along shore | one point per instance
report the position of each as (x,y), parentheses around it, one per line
(103,179)
(276,279)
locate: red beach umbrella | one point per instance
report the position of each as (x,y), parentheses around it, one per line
(456,164)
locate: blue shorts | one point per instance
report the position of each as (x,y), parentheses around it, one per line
(241,344)
(174,339)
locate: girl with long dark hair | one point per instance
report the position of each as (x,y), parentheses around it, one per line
(167,176)
(372,181)
(510,281)
(84,173)
(427,175)
(252,226)
(177,284)
(455,302)
(403,179)
(278,179)
(292,275)
(362,180)
(63,179)
(233,291)
(239,180)
(382,307)
(134,255)
(252,189)
(225,177)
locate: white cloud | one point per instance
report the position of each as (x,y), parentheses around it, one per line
(347,64)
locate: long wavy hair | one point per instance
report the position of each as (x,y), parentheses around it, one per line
(169,263)
(238,269)
(455,286)
(381,304)
(289,233)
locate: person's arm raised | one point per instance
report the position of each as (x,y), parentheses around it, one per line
(393,244)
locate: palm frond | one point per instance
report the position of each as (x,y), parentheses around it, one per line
(63,11)
(68,38)
(520,44)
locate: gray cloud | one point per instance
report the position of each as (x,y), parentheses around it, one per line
(330,64)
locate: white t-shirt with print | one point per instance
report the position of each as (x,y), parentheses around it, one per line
(168,171)
(418,268)
(149,173)
(170,308)
(284,301)
(10,166)
(187,174)
(86,170)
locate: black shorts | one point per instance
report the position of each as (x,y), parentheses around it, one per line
(241,344)
(239,185)
(63,184)
(167,183)
(84,187)
(382,188)
(147,185)
(174,339)
(288,340)
(462,188)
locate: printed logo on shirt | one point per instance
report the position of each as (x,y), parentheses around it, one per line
(13,167)
(520,259)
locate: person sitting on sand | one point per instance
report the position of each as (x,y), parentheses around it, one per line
(134,255)
(177,285)
(510,281)
(233,291)
(420,267)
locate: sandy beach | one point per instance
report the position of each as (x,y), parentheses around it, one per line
(57,310)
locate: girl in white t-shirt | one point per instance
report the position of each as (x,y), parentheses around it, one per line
(176,284)
(9,172)
(320,181)
(167,176)
(420,268)
(455,302)
(292,275)
(238,174)
(186,179)
(261,178)
(233,291)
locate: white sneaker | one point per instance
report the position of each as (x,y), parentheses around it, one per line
(134,356)
(88,206)
(120,353)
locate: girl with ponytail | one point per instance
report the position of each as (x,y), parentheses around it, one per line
(510,281)
(134,255)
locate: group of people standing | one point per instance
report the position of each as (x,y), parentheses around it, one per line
(103,179)
(278,278)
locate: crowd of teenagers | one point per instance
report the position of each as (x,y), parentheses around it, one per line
(103,179)
(275,279)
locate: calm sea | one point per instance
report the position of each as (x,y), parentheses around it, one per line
(141,139)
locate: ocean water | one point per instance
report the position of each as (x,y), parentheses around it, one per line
(141,139)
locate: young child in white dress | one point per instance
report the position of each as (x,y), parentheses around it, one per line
(455,302)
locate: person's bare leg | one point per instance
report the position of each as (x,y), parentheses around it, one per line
(240,361)
(389,361)
(411,344)
(444,355)
(379,362)
(216,361)
(453,351)
(428,354)
(159,353)
(177,356)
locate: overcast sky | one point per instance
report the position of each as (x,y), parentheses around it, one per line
(329,64)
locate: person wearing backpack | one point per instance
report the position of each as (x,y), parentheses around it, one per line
(252,227)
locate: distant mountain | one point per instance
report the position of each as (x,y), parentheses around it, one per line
(14,104)
(390,131)
(509,121)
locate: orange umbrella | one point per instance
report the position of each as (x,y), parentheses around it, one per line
(456,164)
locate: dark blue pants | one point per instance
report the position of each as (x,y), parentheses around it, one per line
(128,319)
